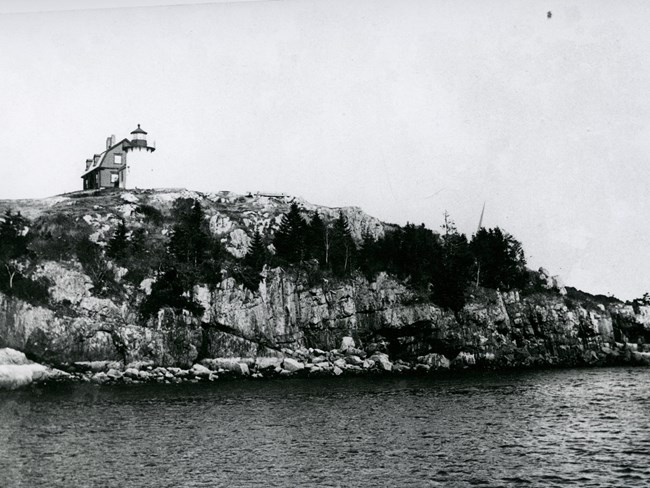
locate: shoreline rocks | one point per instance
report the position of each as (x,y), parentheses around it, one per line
(17,371)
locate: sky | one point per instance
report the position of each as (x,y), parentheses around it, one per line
(405,108)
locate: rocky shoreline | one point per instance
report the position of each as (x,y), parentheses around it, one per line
(307,363)
(292,323)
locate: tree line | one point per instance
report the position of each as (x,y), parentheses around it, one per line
(444,265)
(441,265)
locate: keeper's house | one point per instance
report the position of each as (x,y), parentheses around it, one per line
(109,169)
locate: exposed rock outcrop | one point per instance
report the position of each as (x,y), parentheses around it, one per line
(289,326)
(286,318)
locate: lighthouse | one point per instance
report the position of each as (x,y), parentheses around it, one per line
(140,169)
(139,141)
(110,168)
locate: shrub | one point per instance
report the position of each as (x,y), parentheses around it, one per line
(32,291)
(168,291)
(150,213)
(94,264)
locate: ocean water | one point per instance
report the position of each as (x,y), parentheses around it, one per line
(587,427)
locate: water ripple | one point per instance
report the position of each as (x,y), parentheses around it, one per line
(586,428)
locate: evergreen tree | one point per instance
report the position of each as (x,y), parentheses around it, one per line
(452,268)
(418,251)
(92,259)
(13,245)
(168,291)
(369,259)
(318,240)
(500,260)
(189,240)
(189,244)
(138,244)
(290,239)
(258,254)
(343,249)
(118,244)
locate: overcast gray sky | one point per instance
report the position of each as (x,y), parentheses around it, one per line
(406,108)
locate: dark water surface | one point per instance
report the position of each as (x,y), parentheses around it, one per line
(587,427)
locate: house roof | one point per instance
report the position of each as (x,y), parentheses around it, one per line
(138,131)
(98,163)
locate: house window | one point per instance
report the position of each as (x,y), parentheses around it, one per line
(114,178)
(118,159)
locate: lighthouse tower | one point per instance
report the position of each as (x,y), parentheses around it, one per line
(140,169)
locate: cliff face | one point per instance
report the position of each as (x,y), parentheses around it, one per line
(289,318)
(286,316)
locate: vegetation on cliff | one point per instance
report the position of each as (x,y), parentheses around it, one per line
(16,258)
(441,266)
(175,277)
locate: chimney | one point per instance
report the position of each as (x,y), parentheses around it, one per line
(110,141)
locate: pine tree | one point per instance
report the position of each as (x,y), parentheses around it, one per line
(13,244)
(318,240)
(189,244)
(501,259)
(189,241)
(290,238)
(451,268)
(343,249)
(258,254)
(369,258)
(168,291)
(118,244)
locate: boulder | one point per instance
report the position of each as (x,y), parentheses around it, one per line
(354,360)
(368,363)
(132,373)
(641,358)
(353,351)
(464,360)
(11,356)
(99,378)
(434,361)
(337,371)
(382,361)
(340,363)
(144,376)
(114,374)
(200,371)
(400,368)
(268,362)
(347,343)
(96,366)
(241,369)
(292,365)
(16,375)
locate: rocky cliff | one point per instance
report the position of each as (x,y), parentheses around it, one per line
(289,324)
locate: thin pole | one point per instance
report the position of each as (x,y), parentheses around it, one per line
(480,221)
(480,225)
